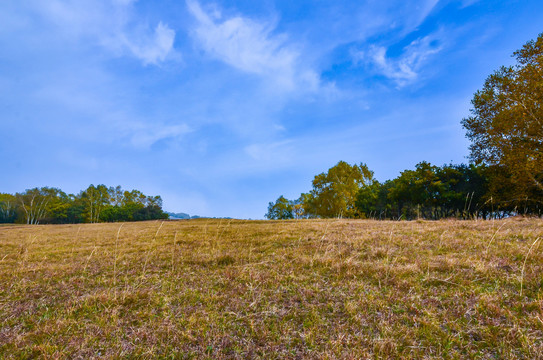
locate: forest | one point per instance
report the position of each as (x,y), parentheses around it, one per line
(48,205)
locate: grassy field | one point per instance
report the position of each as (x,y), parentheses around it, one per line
(271,289)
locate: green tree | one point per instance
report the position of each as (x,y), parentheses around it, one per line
(334,192)
(94,199)
(369,202)
(301,207)
(94,204)
(38,204)
(417,193)
(58,208)
(134,197)
(131,206)
(280,210)
(8,208)
(506,125)
(464,192)
(76,211)
(115,195)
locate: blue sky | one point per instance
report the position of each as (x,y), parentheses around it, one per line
(220,107)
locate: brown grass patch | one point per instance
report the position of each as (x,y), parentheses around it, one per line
(273,289)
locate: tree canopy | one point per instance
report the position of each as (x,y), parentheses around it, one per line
(334,192)
(282,209)
(506,124)
(99,203)
(426,192)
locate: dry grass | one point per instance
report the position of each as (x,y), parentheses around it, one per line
(271,289)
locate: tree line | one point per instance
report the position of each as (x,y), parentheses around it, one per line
(49,205)
(426,192)
(504,177)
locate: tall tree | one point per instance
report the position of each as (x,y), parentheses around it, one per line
(506,126)
(94,198)
(115,195)
(37,203)
(334,192)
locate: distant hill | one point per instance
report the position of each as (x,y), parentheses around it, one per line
(178,215)
(185,216)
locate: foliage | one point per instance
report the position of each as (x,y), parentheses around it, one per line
(427,192)
(94,204)
(506,126)
(95,198)
(371,201)
(282,209)
(8,208)
(36,204)
(334,192)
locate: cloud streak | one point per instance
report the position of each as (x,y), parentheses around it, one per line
(405,68)
(150,48)
(110,24)
(251,47)
(144,136)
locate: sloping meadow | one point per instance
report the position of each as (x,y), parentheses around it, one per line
(273,289)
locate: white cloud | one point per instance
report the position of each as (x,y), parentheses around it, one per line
(251,47)
(152,49)
(422,10)
(111,24)
(377,17)
(406,68)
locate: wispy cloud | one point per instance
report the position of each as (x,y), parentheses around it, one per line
(386,17)
(110,24)
(252,47)
(420,10)
(405,68)
(144,136)
(151,48)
